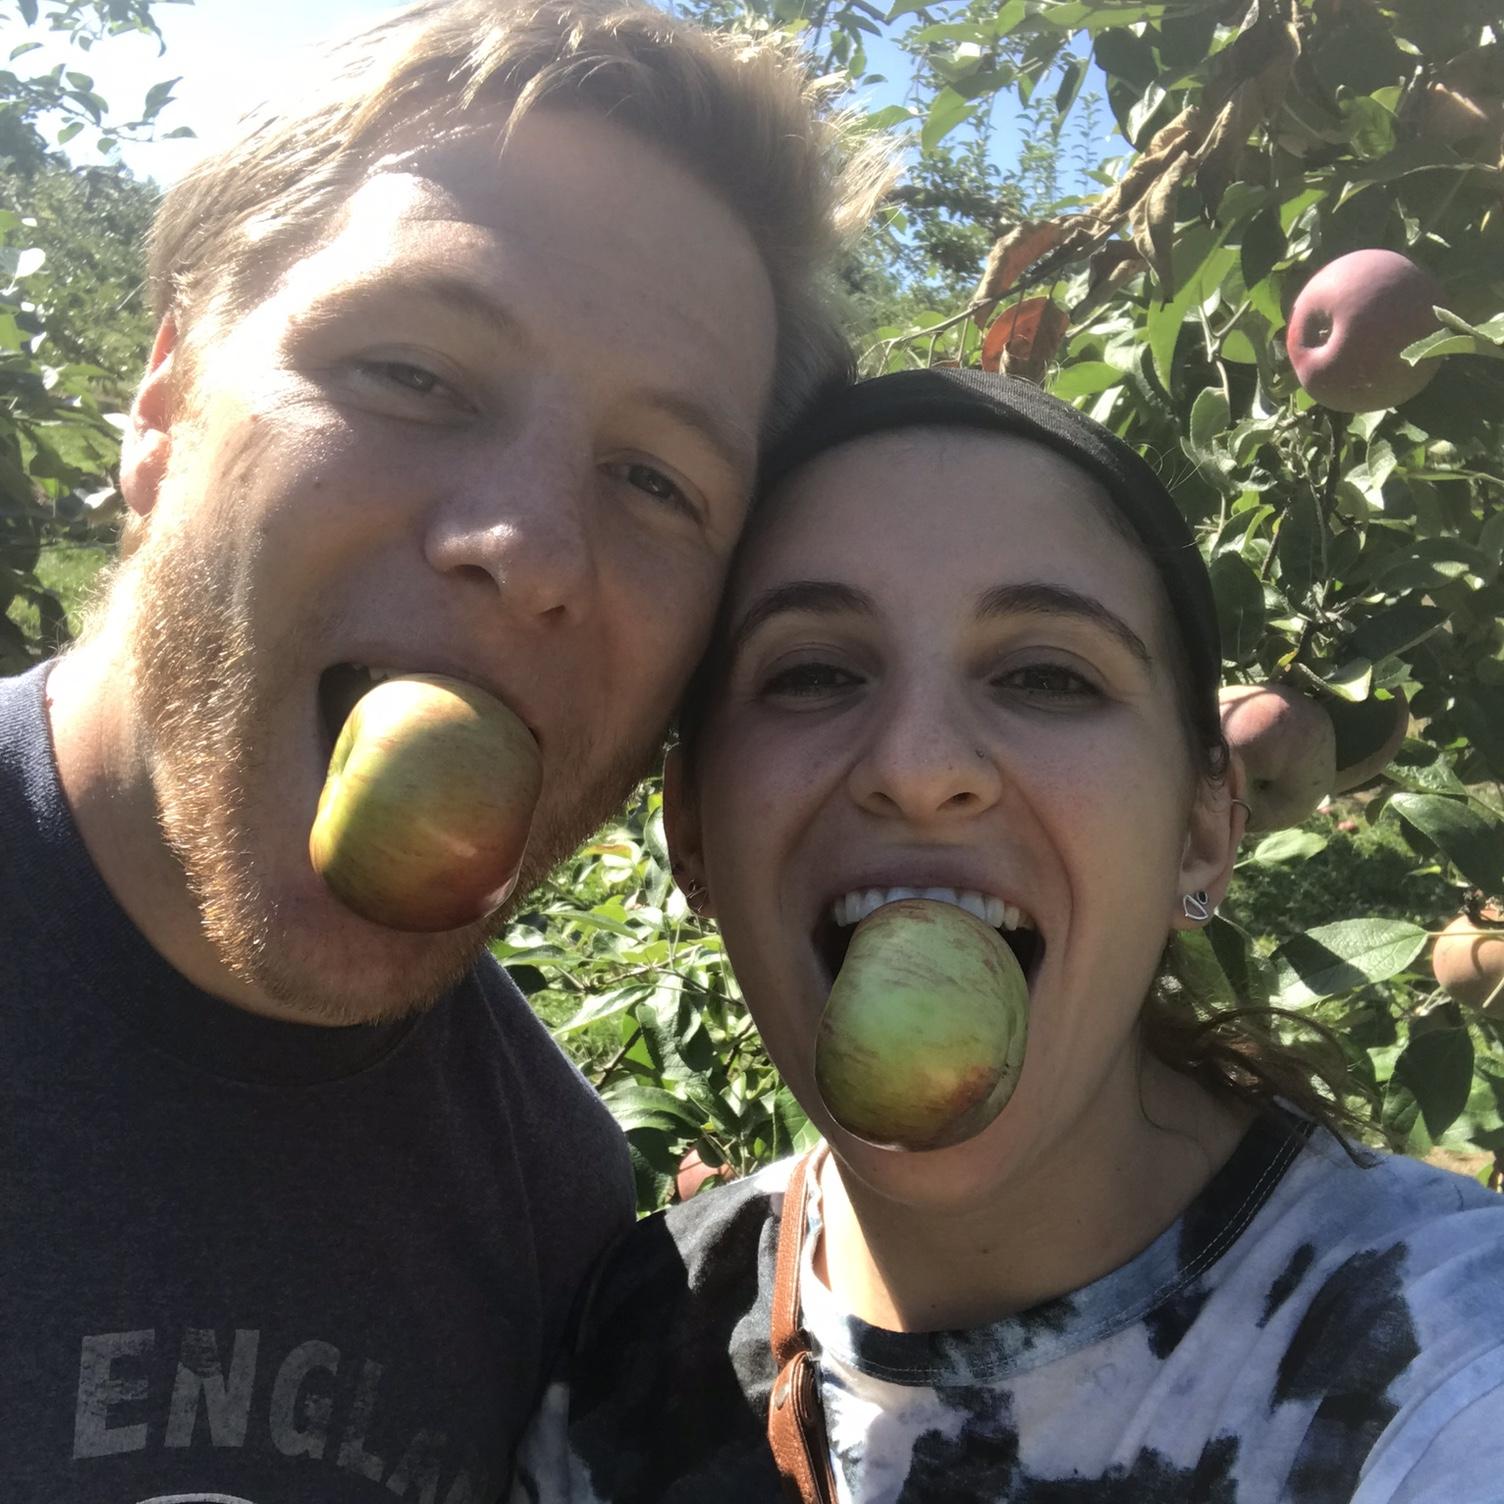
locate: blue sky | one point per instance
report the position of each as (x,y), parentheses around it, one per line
(233,53)
(230,54)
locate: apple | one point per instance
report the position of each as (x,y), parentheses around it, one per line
(694,1172)
(1468,964)
(1350,323)
(426,809)
(1464,106)
(922,1039)
(1288,749)
(1369,732)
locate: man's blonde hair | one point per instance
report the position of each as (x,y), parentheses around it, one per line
(741,116)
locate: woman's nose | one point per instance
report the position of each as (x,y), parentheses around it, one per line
(924,762)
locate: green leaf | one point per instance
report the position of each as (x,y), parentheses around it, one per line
(1437,1069)
(1209,417)
(1435,777)
(1238,348)
(28,9)
(1336,958)
(1397,629)
(1084,378)
(946,113)
(1352,681)
(1472,842)
(157,97)
(1458,337)
(1166,320)
(1194,964)
(1240,606)
(635,1106)
(1289,846)
(1301,548)
(1262,246)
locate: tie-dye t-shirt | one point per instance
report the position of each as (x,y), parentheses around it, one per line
(1308,1330)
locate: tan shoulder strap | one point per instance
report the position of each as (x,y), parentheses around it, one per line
(796,1421)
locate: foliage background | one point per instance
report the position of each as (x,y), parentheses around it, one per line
(1355,559)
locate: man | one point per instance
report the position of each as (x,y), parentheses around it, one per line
(462,367)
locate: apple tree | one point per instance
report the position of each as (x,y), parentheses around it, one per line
(1354,542)
(71,322)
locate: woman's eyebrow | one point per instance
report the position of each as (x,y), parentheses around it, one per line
(1037,598)
(811,597)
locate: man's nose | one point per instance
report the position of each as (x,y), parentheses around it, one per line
(518,517)
(924,760)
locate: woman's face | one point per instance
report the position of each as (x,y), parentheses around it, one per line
(949,670)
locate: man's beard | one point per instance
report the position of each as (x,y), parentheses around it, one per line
(206,693)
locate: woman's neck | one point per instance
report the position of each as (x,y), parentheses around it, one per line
(1068,1219)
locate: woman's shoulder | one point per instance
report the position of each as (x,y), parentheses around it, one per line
(664,1392)
(705,1252)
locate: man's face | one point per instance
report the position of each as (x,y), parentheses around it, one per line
(501,424)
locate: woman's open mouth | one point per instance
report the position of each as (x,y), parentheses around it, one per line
(833,932)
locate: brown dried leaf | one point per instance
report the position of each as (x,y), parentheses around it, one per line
(1024,338)
(1153,221)
(1169,141)
(1012,255)
(1222,149)
(1118,262)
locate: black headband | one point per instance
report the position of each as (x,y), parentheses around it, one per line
(945,397)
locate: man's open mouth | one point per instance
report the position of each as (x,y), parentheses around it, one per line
(340,690)
(836,926)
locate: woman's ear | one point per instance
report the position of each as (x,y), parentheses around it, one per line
(1218,818)
(681,827)
(147,446)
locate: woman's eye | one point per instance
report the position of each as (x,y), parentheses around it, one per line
(1049,681)
(804,680)
(654,483)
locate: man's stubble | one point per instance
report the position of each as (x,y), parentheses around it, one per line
(205,688)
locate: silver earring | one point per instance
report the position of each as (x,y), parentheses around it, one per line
(1195,906)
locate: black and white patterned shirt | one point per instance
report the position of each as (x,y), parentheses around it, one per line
(1308,1330)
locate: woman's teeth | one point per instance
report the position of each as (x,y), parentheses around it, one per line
(852,908)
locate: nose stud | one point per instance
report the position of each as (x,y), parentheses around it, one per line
(1195,906)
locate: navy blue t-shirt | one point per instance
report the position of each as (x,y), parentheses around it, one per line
(249,1260)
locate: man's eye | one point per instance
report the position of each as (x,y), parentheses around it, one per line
(1048,681)
(802,680)
(411,378)
(653,482)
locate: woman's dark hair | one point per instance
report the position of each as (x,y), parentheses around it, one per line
(1232,1052)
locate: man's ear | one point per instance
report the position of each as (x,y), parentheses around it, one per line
(147,447)
(681,827)
(1218,818)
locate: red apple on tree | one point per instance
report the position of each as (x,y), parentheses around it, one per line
(1468,964)
(1369,733)
(1349,325)
(426,809)
(1288,749)
(693,1173)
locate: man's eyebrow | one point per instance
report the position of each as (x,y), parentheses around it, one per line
(1037,598)
(734,446)
(454,294)
(810,597)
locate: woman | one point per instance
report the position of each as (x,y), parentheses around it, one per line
(970,651)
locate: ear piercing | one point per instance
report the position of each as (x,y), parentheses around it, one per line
(1245,806)
(1196,907)
(694,889)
